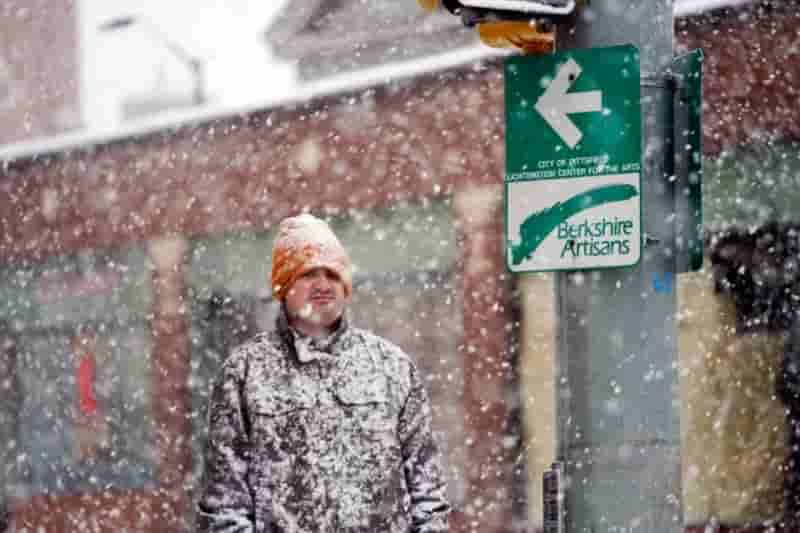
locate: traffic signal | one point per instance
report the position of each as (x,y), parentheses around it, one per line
(428,5)
(528,25)
(531,38)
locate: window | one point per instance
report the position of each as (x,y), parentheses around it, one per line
(76,348)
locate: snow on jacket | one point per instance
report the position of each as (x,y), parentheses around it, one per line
(333,438)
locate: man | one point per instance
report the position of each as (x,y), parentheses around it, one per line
(318,426)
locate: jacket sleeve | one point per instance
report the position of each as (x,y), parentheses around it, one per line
(421,462)
(226,501)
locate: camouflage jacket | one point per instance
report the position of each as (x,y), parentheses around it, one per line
(333,438)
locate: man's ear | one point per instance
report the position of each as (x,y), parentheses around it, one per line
(348,297)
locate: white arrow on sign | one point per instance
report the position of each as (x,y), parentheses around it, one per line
(555,103)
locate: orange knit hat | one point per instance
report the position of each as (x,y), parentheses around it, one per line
(303,243)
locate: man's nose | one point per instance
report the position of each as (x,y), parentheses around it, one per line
(321,279)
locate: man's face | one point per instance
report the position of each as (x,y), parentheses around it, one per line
(316,301)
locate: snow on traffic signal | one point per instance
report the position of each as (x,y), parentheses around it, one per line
(474,12)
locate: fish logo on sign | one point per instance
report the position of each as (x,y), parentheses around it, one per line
(556,103)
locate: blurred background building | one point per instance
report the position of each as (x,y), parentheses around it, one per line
(136,223)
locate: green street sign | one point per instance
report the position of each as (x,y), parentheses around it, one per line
(573,160)
(687,70)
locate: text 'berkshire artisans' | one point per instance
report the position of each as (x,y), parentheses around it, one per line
(603,237)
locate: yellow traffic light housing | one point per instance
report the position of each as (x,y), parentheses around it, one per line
(530,32)
(529,37)
(428,5)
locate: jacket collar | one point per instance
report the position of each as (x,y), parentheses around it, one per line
(303,349)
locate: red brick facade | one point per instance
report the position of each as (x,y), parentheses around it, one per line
(39,91)
(439,137)
(752,74)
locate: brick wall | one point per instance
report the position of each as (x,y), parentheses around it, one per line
(38,69)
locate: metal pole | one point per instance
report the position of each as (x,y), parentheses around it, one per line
(618,416)
(199,76)
(195,65)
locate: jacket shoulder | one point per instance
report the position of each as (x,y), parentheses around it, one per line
(372,340)
(263,348)
(383,349)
